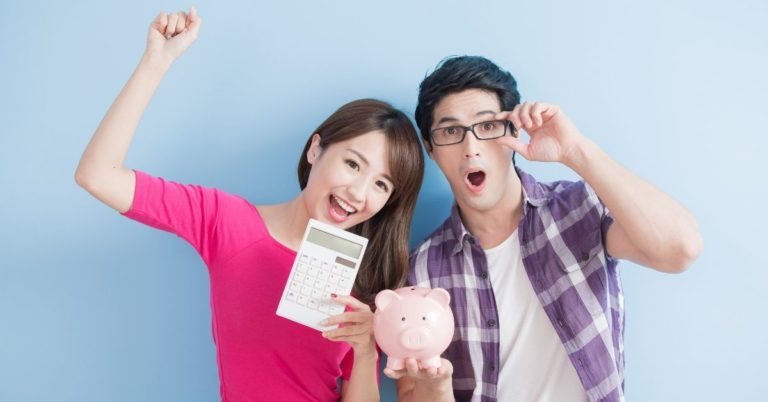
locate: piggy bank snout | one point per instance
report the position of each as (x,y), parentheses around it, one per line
(415,338)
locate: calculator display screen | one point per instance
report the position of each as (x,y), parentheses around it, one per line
(343,246)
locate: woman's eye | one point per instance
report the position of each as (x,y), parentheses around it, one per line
(352,164)
(382,185)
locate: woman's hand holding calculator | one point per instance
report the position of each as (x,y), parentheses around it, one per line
(356,326)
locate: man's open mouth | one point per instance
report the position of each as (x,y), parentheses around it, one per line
(475,180)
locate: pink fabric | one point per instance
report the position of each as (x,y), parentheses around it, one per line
(260,356)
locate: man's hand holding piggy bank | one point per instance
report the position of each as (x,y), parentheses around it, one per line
(413,326)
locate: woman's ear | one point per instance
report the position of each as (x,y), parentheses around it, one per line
(314,150)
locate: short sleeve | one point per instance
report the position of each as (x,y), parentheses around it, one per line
(189,211)
(606,218)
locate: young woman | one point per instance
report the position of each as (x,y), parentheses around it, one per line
(360,170)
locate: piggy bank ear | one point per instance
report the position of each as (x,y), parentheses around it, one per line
(384,298)
(439,295)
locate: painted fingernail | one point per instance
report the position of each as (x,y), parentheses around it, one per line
(334,295)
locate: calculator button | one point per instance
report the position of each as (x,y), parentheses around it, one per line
(316,293)
(348,273)
(295,286)
(306,290)
(330,289)
(324,307)
(323,275)
(315,262)
(302,267)
(336,270)
(301,299)
(312,271)
(298,277)
(312,303)
(304,258)
(344,282)
(319,284)
(334,279)
(291,295)
(308,280)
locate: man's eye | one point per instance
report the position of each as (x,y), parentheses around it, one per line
(450,130)
(489,125)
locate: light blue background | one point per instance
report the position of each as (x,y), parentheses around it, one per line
(94,307)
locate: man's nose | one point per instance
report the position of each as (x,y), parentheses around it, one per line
(471,145)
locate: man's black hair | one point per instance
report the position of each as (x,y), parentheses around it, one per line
(459,73)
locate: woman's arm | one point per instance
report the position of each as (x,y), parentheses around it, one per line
(357,330)
(101,171)
(363,384)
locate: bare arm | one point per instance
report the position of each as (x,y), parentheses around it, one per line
(101,171)
(356,329)
(416,384)
(650,228)
(362,384)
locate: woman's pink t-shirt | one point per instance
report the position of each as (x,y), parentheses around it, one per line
(261,356)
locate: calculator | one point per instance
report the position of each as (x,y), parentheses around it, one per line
(327,262)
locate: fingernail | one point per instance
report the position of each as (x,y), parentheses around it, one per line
(334,295)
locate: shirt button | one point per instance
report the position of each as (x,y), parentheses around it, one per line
(560,322)
(584,256)
(471,240)
(484,275)
(492,367)
(491,322)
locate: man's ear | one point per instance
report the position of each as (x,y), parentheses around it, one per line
(314,150)
(429,148)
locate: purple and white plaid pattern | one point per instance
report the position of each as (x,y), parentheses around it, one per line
(562,241)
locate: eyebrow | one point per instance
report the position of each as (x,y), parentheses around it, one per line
(359,155)
(450,119)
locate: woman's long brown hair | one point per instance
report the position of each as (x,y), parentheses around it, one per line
(385,264)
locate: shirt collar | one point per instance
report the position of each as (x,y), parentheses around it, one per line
(533,194)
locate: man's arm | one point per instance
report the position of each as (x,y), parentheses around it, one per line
(650,228)
(429,384)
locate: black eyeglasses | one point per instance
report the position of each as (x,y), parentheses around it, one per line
(485,130)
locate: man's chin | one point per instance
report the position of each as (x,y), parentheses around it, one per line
(476,202)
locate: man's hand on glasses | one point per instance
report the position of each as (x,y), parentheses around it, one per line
(553,137)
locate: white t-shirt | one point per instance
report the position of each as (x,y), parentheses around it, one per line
(534,364)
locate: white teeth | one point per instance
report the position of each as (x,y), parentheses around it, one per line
(344,205)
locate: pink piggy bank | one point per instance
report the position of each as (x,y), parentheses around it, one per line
(413,322)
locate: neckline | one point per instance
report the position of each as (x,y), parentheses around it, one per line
(269,234)
(507,242)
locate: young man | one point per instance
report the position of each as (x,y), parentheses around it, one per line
(531,267)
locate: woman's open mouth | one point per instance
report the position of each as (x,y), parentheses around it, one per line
(475,180)
(338,209)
